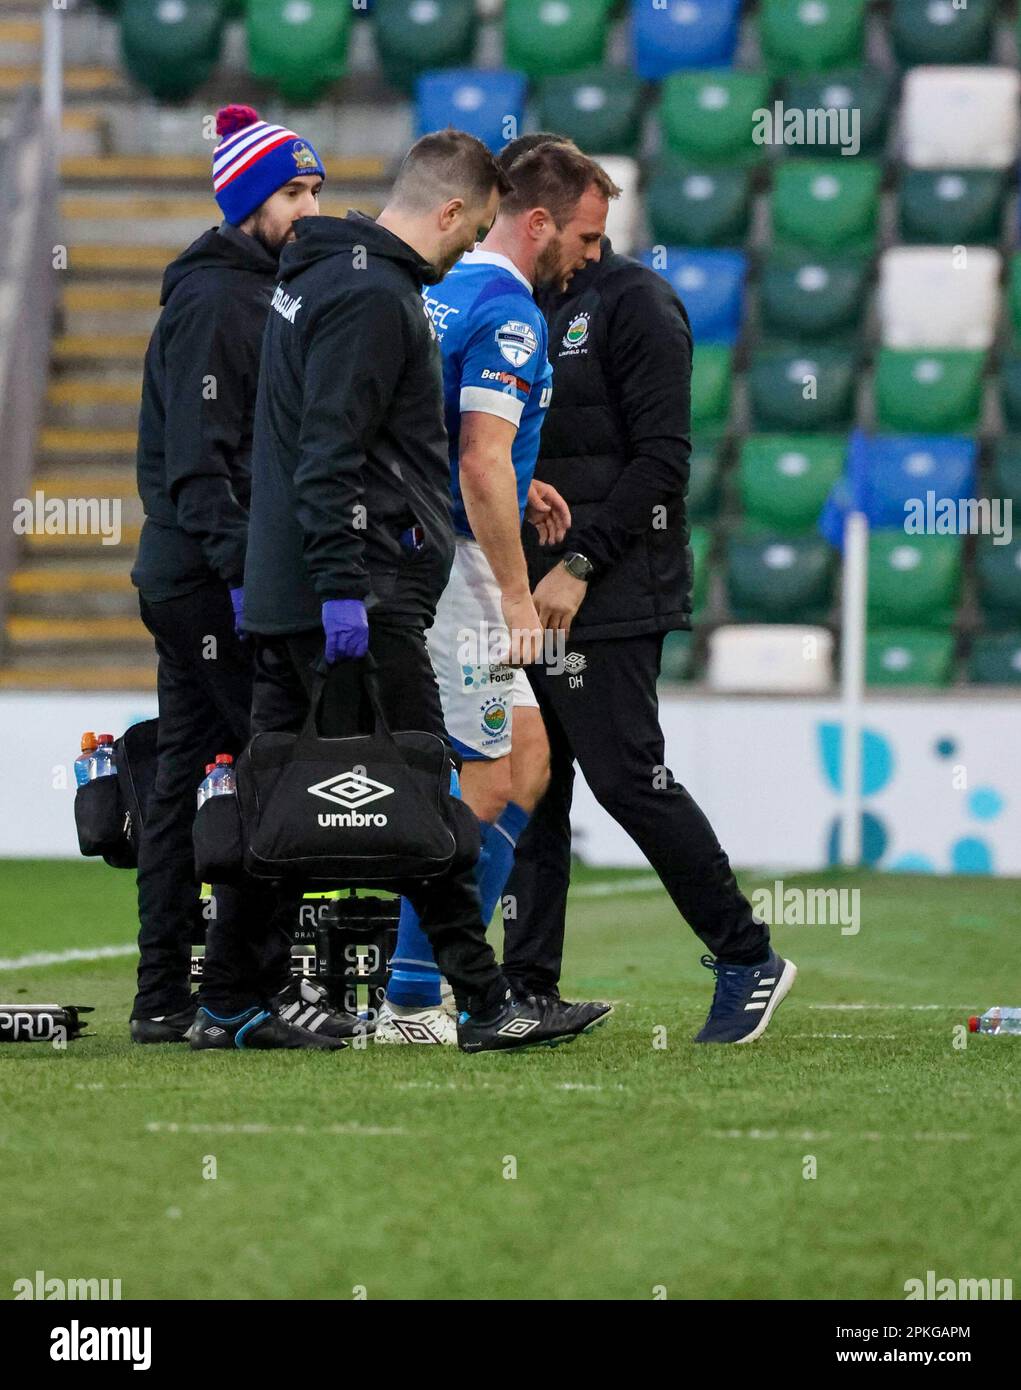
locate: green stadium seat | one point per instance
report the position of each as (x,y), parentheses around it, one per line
(301,49)
(708,117)
(599,108)
(784,479)
(908,656)
(812,390)
(541,37)
(701,543)
(698,207)
(929,392)
(678,660)
(171,50)
(1005,476)
(996,659)
(826,205)
(711,383)
(865,90)
(413,36)
(779,579)
(1010,391)
(812,37)
(950,207)
(704,479)
(942,31)
(807,299)
(998,569)
(914,581)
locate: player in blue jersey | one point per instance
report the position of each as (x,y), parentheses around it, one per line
(497,384)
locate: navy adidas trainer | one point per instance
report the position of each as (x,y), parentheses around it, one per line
(745,998)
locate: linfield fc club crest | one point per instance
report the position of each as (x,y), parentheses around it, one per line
(303,156)
(517,342)
(494,716)
(577,332)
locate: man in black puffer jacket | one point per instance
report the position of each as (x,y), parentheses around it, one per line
(616,445)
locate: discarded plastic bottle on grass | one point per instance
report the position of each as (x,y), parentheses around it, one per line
(103,763)
(997,1020)
(84,758)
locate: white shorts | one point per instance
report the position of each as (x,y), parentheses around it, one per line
(478,694)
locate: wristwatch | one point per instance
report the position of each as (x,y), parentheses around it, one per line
(578,565)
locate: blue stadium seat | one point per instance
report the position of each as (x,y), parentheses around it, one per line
(684,34)
(900,468)
(489,105)
(711,285)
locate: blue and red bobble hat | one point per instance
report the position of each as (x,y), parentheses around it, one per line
(254,159)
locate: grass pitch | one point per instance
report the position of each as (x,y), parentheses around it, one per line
(609,1169)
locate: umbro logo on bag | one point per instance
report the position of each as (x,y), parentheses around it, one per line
(517,1028)
(352,790)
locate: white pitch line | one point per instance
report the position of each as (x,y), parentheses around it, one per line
(173,1127)
(811,1136)
(38,958)
(914,1008)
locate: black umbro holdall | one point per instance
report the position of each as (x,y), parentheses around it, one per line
(109,813)
(370,809)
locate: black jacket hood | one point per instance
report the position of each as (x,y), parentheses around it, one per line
(320,237)
(221,248)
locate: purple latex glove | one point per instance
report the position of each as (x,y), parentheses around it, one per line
(346,625)
(237,602)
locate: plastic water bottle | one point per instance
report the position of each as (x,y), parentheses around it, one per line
(103,763)
(221,779)
(203,794)
(84,759)
(997,1020)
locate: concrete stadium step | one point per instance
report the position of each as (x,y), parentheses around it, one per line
(53,589)
(67,443)
(107,402)
(39,634)
(102,259)
(103,673)
(82,545)
(91,80)
(121,349)
(139,170)
(20,37)
(108,218)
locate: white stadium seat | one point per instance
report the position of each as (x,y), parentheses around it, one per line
(930,297)
(622,225)
(770,660)
(960,118)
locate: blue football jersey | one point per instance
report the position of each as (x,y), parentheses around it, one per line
(494,344)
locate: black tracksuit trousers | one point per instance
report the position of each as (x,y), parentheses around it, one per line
(604,714)
(248,919)
(204,689)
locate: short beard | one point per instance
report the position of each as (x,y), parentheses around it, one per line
(270,246)
(547,267)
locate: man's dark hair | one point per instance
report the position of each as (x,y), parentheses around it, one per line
(555,177)
(447,164)
(524,144)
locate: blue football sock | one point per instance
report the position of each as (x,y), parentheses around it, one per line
(497,858)
(415,979)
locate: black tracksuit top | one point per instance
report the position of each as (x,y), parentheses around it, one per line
(350,447)
(195,423)
(616,444)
